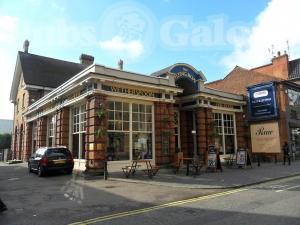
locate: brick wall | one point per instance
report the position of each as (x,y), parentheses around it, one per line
(95,145)
(62,127)
(186,139)
(279,67)
(27,141)
(164,125)
(41,132)
(204,130)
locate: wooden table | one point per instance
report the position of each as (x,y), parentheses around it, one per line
(150,169)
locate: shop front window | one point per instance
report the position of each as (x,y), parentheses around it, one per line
(224,132)
(129,131)
(78,131)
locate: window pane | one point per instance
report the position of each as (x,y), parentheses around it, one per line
(135,108)
(118,125)
(135,126)
(111,105)
(148,117)
(148,109)
(118,106)
(118,115)
(126,116)
(118,146)
(135,117)
(142,108)
(142,146)
(111,115)
(111,125)
(126,126)
(125,106)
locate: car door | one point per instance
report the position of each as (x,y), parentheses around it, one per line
(37,158)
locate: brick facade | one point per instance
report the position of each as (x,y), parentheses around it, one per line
(164,125)
(62,127)
(41,132)
(278,68)
(27,141)
(95,146)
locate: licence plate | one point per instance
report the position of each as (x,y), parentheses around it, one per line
(61,161)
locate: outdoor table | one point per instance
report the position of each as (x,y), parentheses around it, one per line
(150,169)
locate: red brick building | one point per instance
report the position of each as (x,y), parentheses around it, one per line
(103,113)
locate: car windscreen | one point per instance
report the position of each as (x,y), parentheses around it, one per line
(58,151)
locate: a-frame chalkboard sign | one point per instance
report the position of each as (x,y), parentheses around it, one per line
(242,158)
(213,159)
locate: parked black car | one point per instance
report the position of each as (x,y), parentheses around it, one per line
(51,159)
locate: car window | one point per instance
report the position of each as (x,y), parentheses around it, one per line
(56,151)
(40,152)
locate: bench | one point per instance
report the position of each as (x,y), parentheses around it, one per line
(152,171)
(127,170)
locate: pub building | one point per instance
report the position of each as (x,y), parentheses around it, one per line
(103,113)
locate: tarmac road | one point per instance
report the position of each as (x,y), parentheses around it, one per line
(272,203)
(63,199)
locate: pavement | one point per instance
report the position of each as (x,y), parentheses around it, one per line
(231,177)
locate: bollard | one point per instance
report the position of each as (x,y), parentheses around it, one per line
(105,170)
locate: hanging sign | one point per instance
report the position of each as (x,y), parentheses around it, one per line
(262,104)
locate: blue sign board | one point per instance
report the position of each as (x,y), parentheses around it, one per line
(184,72)
(262,103)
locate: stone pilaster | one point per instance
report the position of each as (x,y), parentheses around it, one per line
(62,127)
(95,154)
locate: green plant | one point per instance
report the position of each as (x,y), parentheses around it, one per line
(101,114)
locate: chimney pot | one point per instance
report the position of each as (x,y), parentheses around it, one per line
(86,59)
(278,53)
(120,64)
(25,46)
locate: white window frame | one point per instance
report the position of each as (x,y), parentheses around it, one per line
(80,126)
(223,130)
(131,102)
(51,125)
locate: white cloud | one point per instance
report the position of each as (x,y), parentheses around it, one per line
(133,48)
(276,24)
(9,27)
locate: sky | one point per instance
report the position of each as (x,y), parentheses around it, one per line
(213,36)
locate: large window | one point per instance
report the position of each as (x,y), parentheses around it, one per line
(78,131)
(224,132)
(51,130)
(129,131)
(118,131)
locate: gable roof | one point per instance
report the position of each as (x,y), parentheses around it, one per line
(41,71)
(239,79)
(47,72)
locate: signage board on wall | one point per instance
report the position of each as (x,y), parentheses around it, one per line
(265,138)
(212,156)
(185,72)
(262,103)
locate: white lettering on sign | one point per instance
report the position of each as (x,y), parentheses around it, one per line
(260,94)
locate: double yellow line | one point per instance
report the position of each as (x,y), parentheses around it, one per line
(153,208)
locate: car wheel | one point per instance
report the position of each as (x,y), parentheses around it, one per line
(41,171)
(29,168)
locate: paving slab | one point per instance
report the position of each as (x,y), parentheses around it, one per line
(230,177)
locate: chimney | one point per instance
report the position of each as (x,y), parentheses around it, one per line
(25,46)
(86,59)
(120,64)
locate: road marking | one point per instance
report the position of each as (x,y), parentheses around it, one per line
(278,186)
(288,188)
(153,208)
